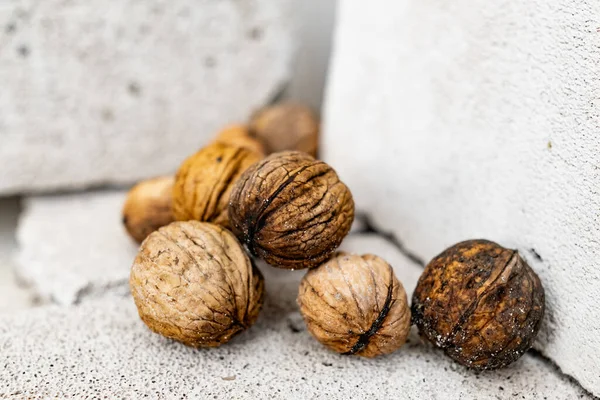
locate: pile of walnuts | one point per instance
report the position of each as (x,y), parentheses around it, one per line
(257,191)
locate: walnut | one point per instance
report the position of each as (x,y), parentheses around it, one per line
(286,126)
(238,135)
(192,281)
(148,207)
(204,181)
(291,210)
(481,303)
(355,305)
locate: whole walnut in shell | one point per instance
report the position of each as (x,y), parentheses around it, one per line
(192,281)
(481,303)
(204,181)
(355,305)
(239,136)
(286,126)
(148,207)
(291,210)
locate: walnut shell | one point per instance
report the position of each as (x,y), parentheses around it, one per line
(148,207)
(192,281)
(239,136)
(291,210)
(481,303)
(204,181)
(355,305)
(286,126)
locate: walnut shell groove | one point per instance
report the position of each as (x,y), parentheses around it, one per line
(291,210)
(193,282)
(481,303)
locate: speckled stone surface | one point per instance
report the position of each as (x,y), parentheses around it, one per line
(74,247)
(101,348)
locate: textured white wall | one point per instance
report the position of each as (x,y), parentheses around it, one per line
(107,92)
(471,118)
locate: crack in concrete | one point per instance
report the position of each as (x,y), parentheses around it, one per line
(118,287)
(371,228)
(538,354)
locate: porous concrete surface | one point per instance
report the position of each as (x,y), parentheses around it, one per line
(13,296)
(478,119)
(73,247)
(102,349)
(96,92)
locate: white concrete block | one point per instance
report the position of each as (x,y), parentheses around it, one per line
(102,348)
(478,119)
(74,247)
(107,92)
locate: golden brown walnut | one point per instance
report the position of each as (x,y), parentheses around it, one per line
(148,207)
(286,126)
(355,305)
(204,181)
(481,303)
(239,136)
(192,281)
(291,210)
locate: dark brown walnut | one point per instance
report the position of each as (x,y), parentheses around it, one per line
(148,207)
(192,281)
(355,305)
(291,210)
(239,136)
(481,303)
(286,126)
(204,181)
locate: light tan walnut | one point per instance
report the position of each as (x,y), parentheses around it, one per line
(355,305)
(148,207)
(192,282)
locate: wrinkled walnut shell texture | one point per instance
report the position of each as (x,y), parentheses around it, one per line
(148,207)
(291,210)
(286,126)
(193,282)
(239,136)
(479,302)
(204,182)
(355,305)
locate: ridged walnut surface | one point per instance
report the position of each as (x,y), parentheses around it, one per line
(286,126)
(239,136)
(204,181)
(291,210)
(148,207)
(355,305)
(193,282)
(481,303)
